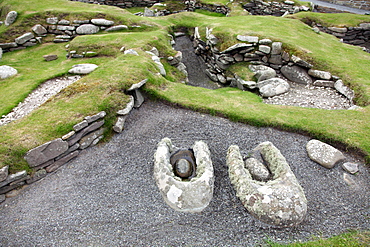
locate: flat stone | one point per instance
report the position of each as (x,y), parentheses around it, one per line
(46,152)
(296,74)
(343,89)
(265,42)
(39,29)
(262,72)
(338,29)
(50,57)
(4,173)
(79,126)
(350,167)
(16,177)
(265,49)
(2,198)
(246,38)
(137,85)
(237,47)
(323,153)
(66,28)
(8,45)
(68,135)
(92,127)
(276,48)
(12,186)
(279,201)
(24,38)
(300,62)
(83,69)
(37,176)
(7,71)
(365,26)
(64,22)
(160,66)
(128,107)
(61,161)
(273,87)
(87,29)
(10,18)
(102,22)
(192,195)
(52,20)
(88,139)
(119,125)
(323,83)
(95,117)
(320,74)
(116,28)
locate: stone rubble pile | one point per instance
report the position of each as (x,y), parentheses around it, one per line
(273,67)
(259,7)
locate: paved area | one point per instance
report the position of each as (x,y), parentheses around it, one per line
(108,197)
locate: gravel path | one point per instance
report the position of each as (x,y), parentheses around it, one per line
(38,97)
(107,196)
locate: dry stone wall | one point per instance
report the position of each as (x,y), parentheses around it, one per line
(360,4)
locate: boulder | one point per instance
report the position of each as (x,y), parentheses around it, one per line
(24,38)
(50,57)
(131,51)
(83,69)
(273,87)
(320,74)
(39,29)
(262,72)
(46,152)
(189,195)
(102,22)
(7,71)
(148,12)
(87,29)
(279,201)
(323,153)
(10,18)
(296,74)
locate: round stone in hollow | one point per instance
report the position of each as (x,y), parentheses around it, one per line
(183,168)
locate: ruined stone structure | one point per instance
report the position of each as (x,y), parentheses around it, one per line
(360,4)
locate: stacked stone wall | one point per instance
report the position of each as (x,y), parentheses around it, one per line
(359,4)
(122,3)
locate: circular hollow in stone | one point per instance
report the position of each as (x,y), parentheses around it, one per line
(183,163)
(183,168)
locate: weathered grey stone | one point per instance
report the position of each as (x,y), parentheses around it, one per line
(221,78)
(16,177)
(211,75)
(61,161)
(2,198)
(323,153)
(262,72)
(137,85)
(43,165)
(265,42)
(350,167)
(338,29)
(52,20)
(63,37)
(10,18)
(37,176)
(81,21)
(301,62)
(237,47)
(285,56)
(280,201)
(24,38)
(64,22)
(323,83)
(29,44)
(8,45)
(182,68)
(296,74)
(343,89)
(148,12)
(45,152)
(265,49)
(50,57)
(116,28)
(128,107)
(7,71)
(273,87)
(4,173)
(156,52)
(39,29)
(246,38)
(83,69)
(88,139)
(79,126)
(276,48)
(12,186)
(183,163)
(160,66)
(131,51)
(275,59)
(94,126)
(186,196)
(68,135)
(316,30)
(102,22)
(71,149)
(66,28)
(320,74)
(242,84)
(118,126)
(95,117)
(258,170)
(87,29)
(365,26)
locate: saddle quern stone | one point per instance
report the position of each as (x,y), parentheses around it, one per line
(189,194)
(279,201)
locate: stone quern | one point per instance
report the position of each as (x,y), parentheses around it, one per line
(193,195)
(279,201)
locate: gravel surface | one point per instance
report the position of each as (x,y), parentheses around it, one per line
(39,96)
(107,196)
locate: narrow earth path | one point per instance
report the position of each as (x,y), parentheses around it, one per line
(107,196)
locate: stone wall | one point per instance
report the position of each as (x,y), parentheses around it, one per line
(259,7)
(50,156)
(360,4)
(122,3)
